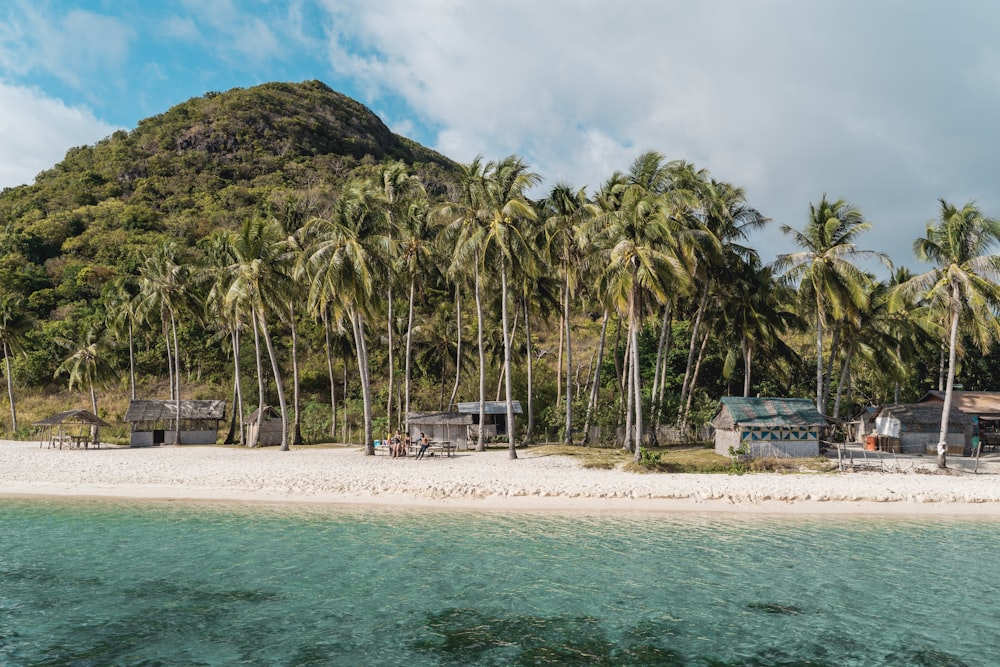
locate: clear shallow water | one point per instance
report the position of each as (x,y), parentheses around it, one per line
(95,583)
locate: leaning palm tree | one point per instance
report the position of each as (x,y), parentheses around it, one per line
(258,281)
(87,363)
(829,280)
(962,285)
(14,324)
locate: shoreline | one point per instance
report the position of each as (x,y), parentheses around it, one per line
(479,482)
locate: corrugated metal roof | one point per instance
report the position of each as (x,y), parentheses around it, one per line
(969,402)
(735,410)
(149,411)
(459,418)
(492,407)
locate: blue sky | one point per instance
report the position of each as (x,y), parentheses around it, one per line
(888,104)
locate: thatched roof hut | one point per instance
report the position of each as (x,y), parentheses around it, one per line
(918,426)
(154,422)
(452,427)
(270,426)
(71,427)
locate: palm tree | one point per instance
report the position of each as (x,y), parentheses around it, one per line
(829,280)
(258,282)
(640,262)
(463,220)
(166,290)
(86,365)
(567,214)
(13,327)
(504,245)
(122,301)
(962,285)
(342,259)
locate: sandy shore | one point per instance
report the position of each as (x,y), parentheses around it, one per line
(484,481)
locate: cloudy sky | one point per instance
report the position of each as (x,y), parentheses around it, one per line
(889,104)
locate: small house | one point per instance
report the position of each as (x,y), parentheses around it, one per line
(155,422)
(768,427)
(270,426)
(918,427)
(982,406)
(495,419)
(451,427)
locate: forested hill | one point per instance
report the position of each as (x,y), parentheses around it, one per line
(207,163)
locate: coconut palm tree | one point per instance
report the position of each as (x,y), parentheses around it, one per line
(14,324)
(166,291)
(343,261)
(121,305)
(463,230)
(567,212)
(640,262)
(962,285)
(259,282)
(504,246)
(826,269)
(87,364)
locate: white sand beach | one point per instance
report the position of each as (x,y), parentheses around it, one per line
(484,481)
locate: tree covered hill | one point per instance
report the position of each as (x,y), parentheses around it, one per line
(207,163)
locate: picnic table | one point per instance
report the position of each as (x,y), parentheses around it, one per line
(436,446)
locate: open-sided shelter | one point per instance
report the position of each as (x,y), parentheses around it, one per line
(154,422)
(71,427)
(450,427)
(764,427)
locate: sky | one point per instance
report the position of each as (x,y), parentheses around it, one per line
(888,104)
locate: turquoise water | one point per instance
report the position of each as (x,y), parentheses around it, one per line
(101,583)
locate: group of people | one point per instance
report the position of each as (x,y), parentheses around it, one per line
(399,446)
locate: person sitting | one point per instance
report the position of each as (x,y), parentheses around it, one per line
(397,446)
(424,444)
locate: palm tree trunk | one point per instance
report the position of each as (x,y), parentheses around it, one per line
(633,327)
(568,433)
(392,361)
(177,380)
(277,381)
(529,430)
(694,381)
(357,322)
(458,346)
(170,358)
(255,438)
(297,424)
(511,431)
(480,442)
(820,402)
(627,395)
(845,373)
(834,349)
(692,347)
(942,448)
(657,369)
(329,370)
(747,352)
(131,359)
(559,361)
(10,387)
(409,356)
(596,381)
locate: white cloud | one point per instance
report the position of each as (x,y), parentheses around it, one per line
(36,131)
(887,106)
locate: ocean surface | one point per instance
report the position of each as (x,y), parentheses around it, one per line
(94,583)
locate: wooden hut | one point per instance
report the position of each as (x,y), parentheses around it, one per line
(270,426)
(450,427)
(765,427)
(154,422)
(918,427)
(74,428)
(495,419)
